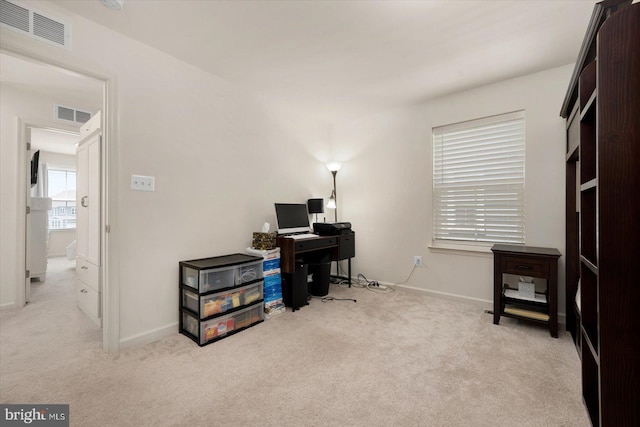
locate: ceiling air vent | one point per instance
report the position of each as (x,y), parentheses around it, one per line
(71,114)
(18,17)
(14,16)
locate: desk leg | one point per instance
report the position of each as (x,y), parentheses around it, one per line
(349,271)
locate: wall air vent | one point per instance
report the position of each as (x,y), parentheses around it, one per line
(18,17)
(71,114)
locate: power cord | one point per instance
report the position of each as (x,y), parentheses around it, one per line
(330,298)
(372,285)
(375,286)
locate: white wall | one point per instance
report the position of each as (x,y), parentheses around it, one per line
(220,158)
(385,183)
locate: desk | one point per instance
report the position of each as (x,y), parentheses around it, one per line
(339,247)
(526,261)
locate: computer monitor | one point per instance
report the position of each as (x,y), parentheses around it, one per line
(292,218)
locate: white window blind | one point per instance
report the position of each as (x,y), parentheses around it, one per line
(478,180)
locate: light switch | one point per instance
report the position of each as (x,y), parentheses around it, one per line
(143,183)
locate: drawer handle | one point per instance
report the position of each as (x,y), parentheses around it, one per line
(84,291)
(524,267)
(84,267)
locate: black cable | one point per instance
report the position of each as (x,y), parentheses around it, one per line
(330,298)
(325,299)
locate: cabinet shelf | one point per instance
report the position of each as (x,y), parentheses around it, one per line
(514,296)
(586,342)
(587,263)
(588,113)
(589,185)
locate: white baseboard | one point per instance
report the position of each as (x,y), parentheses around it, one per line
(7,306)
(445,295)
(149,337)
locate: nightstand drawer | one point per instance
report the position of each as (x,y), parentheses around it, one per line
(527,267)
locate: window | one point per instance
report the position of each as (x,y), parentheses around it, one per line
(478,180)
(62,190)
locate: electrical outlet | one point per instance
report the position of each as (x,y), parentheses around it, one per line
(417,260)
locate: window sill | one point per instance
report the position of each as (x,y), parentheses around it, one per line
(468,250)
(58,230)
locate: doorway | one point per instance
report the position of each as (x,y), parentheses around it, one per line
(37,86)
(51,221)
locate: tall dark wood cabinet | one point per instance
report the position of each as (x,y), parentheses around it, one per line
(602,108)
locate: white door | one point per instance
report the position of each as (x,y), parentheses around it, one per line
(88,221)
(88,199)
(82,194)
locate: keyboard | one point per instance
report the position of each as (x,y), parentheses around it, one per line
(302,236)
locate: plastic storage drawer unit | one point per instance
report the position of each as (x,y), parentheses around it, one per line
(220,296)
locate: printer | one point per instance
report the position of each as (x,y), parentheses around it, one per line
(331,228)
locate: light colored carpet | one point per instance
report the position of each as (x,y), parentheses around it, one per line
(397,359)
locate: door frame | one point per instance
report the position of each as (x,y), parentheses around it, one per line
(110,286)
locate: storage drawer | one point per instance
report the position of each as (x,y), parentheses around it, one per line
(310,244)
(527,267)
(222,302)
(88,300)
(220,278)
(221,326)
(88,273)
(209,280)
(190,300)
(249,272)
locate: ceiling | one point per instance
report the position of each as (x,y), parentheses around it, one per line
(54,141)
(337,58)
(333,58)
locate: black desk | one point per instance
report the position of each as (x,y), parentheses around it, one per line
(339,247)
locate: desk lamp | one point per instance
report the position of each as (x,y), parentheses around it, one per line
(315,206)
(333,199)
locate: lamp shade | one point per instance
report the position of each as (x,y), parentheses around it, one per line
(331,204)
(334,166)
(315,206)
